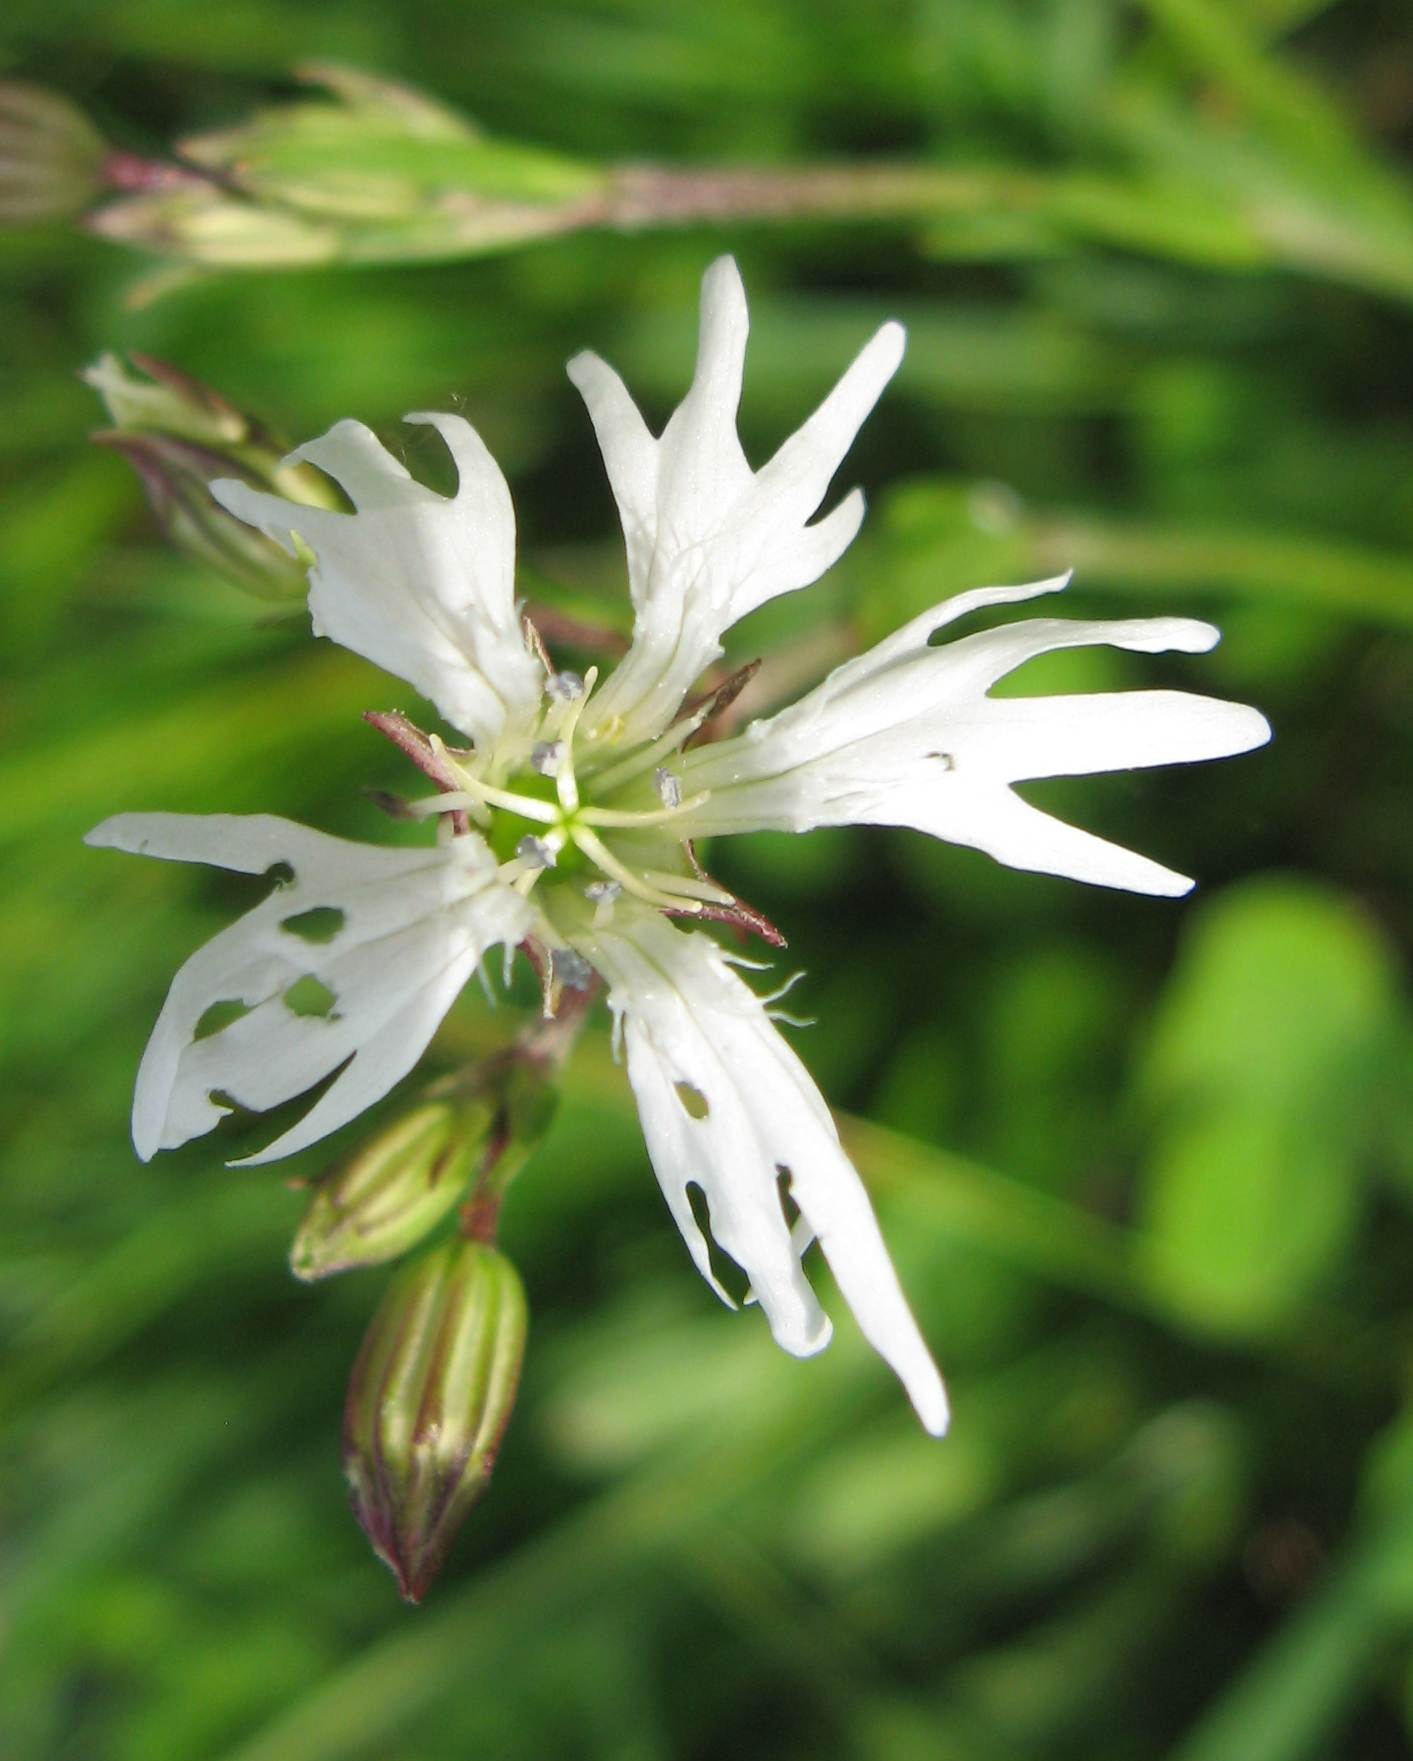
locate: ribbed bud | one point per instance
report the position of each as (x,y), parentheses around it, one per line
(394,1191)
(178,435)
(377,172)
(51,156)
(428,1403)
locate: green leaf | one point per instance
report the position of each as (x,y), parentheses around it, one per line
(1265,1065)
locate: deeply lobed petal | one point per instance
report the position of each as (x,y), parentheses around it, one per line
(708,540)
(728,1108)
(421,584)
(397,935)
(908,735)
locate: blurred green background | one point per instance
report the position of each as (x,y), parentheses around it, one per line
(1146,1167)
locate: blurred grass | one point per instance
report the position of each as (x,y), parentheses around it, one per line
(1147,1168)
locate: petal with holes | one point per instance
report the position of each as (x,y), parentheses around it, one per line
(398,934)
(728,1108)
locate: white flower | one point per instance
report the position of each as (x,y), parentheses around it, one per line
(583,800)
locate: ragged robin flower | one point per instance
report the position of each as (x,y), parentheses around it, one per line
(566,810)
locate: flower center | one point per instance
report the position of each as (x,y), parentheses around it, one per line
(576,808)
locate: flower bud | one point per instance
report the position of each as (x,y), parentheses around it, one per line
(380,174)
(428,1402)
(178,434)
(394,1191)
(51,156)
(200,223)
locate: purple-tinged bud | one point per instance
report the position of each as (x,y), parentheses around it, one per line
(428,1403)
(51,156)
(175,474)
(373,173)
(395,1190)
(178,435)
(161,399)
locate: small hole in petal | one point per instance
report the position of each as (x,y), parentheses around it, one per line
(694,1102)
(321,924)
(724,1269)
(280,872)
(310,996)
(219,1016)
(787,1199)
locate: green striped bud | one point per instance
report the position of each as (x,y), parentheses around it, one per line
(395,1190)
(51,156)
(428,1403)
(373,173)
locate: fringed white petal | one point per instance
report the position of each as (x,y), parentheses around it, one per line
(398,934)
(908,735)
(708,539)
(421,584)
(727,1107)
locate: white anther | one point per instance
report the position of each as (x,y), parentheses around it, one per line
(603,896)
(571,969)
(546,756)
(668,788)
(535,852)
(564,687)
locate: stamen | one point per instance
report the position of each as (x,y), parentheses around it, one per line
(623,817)
(523,805)
(545,757)
(669,790)
(565,782)
(603,896)
(521,875)
(602,857)
(571,968)
(537,852)
(637,762)
(564,687)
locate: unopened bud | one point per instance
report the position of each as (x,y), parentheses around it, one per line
(51,156)
(394,1191)
(163,400)
(428,1403)
(375,173)
(200,223)
(178,435)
